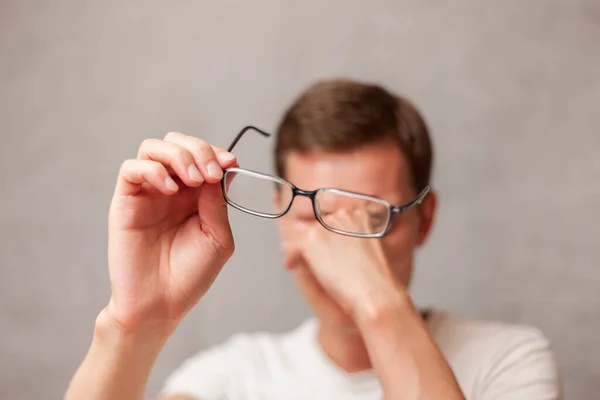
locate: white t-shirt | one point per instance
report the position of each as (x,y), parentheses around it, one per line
(491,361)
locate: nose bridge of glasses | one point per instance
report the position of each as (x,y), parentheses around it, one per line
(306,193)
(296,192)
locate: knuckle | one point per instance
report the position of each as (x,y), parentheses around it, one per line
(172,135)
(229,248)
(156,168)
(200,151)
(312,233)
(179,153)
(202,148)
(146,143)
(225,247)
(126,166)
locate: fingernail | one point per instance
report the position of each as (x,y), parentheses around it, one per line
(225,156)
(170,183)
(195,173)
(214,170)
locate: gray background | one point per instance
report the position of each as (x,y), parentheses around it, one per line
(511,91)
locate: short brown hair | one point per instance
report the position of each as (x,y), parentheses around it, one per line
(341,114)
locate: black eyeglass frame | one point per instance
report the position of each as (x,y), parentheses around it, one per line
(312,195)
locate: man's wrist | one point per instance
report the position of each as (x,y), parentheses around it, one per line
(118,345)
(119,360)
(151,334)
(379,306)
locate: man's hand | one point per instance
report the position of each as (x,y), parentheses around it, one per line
(356,274)
(169,237)
(353,271)
(169,233)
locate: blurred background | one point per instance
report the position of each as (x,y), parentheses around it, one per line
(510,89)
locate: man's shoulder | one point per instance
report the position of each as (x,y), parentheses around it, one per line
(454,332)
(493,357)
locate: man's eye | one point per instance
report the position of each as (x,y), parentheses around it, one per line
(377,219)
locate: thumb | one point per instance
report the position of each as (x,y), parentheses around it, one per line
(214,219)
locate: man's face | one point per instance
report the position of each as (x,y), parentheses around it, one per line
(377,169)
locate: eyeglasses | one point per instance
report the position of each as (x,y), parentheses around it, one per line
(252,192)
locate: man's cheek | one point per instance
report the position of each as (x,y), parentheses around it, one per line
(398,244)
(402,238)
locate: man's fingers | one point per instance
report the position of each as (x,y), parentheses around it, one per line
(350,220)
(214,219)
(178,158)
(205,155)
(298,251)
(225,158)
(211,161)
(134,173)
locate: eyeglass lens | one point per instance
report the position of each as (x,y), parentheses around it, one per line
(255,193)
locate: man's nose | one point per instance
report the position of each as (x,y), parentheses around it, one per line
(300,225)
(301,214)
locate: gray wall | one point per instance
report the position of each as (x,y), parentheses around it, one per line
(511,90)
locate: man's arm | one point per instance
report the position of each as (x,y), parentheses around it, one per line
(403,353)
(356,273)
(168,238)
(118,363)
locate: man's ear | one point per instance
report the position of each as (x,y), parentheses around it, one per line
(427,211)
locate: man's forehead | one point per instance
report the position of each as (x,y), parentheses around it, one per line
(377,170)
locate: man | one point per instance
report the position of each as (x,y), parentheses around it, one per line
(350,249)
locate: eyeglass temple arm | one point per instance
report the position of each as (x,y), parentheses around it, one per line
(413,202)
(242,132)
